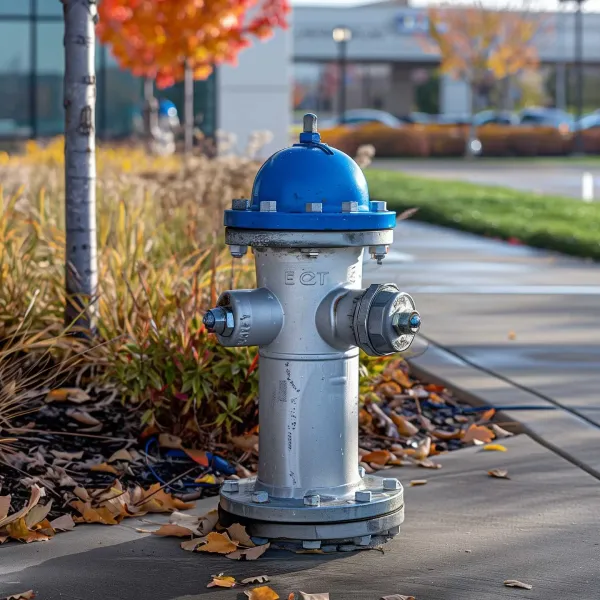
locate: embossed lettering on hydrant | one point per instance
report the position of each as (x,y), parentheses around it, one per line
(306,277)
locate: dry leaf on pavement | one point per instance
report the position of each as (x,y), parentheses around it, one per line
(4,506)
(262,593)
(379,457)
(422,451)
(501,433)
(238,534)
(429,464)
(104,468)
(156,500)
(495,447)
(418,482)
(221,580)
(499,473)
(28,595)
(397,597)
(207,522)
(256,579)
(192,545)
(100,514)
(18,530)
(478,433)
(220,543)
(37,514)
(63,523)
(517,584)
(170,530)
(36,493)
(74,395)
(305,596)
(404,426)
(249,553)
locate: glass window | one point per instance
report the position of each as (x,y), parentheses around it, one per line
(50,63)
(14,79)
(46,8)
(15,7)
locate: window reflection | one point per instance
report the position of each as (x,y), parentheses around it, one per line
(15,7)
(49,80)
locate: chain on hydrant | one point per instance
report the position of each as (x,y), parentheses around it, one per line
(308,223)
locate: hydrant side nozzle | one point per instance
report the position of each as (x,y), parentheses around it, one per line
(219,320)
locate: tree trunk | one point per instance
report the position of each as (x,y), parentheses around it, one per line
(188,110)
(150,115)
(472,135)
(80,162)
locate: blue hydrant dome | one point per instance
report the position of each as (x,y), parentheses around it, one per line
(307,173)
(310,187)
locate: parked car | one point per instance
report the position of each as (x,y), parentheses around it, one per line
(496,117)
(362,117)
(591,121)
(547,117)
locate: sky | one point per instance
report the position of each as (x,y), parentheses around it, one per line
(590,5)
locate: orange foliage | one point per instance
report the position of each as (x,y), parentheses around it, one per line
(157,38)
(473,41)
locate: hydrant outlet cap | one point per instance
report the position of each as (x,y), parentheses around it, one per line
(309,173)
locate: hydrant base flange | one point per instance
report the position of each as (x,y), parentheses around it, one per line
(334,518)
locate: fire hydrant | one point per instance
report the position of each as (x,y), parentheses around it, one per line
(308,223)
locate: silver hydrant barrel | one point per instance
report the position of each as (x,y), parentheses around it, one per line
(308,223)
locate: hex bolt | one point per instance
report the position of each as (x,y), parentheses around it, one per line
(311,544)
(240,204)
(349,207)
(312,500)
(238,251)
(394,530)
(219,320)
(309,123)
(378,206)
(407,322)
(230,485)
(268,206)
(363,540)
(363,496)
(391,484)
(310,252)
(361,472)
(260,497)
(378,252)
(314,207)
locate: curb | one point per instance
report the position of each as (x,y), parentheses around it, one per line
(562,432)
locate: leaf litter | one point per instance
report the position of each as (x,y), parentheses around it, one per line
(517,584)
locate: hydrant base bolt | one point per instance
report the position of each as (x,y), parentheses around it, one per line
(378,253)
(219,320)
(349,207)
(311,544)
(231,486)
(240,204)
(238,251)
(314,207)
(260,497)
(313,500)
(363,496)
(268,206)
(378,206)
(364,540)
(391,484)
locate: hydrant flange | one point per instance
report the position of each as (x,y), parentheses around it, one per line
(309,317)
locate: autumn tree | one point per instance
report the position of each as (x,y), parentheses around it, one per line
(182,40)
(80,161)
(476,45)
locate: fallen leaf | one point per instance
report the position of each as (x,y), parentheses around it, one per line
(220,543)
(198,456)
(170,530)
(405,427)
(499,473)
(364,418)
(63,523)
(397,597)
(367,467)
(81,416)
(4,506)
(487,415)
(305,596)
(309,551)
(517,584)
(191,545)
(446,435)
(378,467)
(495,447)
(257,579)
(101,514)
(156,500)
(37,514)
(74,395)
(121,455)
(292,596)
(429,464)
(249,553)
(104,468)
(166,440)
(422,451)
(418,482)
(223,581)
(512,335)
(435,399)
(238,534)
(208,522)
(28,595)
(18,530)
(81,493)
(478,432)
(67,455)
(262,593)
(501,433)
(245,442)
(434,387)
(35,494)
(208,478)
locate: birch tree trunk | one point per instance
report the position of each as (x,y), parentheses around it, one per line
(80,161)
(150,115)
(188,110)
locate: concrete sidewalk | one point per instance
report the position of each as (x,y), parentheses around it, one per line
(465,533)
(520,325)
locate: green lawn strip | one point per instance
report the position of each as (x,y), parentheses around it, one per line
(552,222)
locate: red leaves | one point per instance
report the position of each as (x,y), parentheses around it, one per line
(156,38)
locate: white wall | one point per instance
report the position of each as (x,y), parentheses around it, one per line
(256,94)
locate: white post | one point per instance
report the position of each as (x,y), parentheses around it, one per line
(587,187)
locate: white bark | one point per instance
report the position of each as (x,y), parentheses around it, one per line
(188,110)
(80,160)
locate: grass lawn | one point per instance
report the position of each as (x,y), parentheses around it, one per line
(552,222)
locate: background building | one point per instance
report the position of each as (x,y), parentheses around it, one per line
(241,100)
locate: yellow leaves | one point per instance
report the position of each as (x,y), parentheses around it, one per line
(173,530)
(404,426)
(223,581)
(102,514)
(494,448)
(219,543)
(262,593)
(104,468)
(478,433)
(417,482)
(74,395)
(380,457)
(156,500)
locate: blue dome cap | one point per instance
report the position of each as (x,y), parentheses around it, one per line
(310,187)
